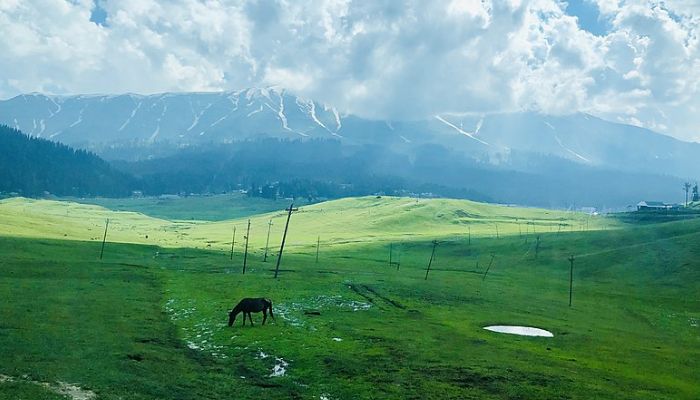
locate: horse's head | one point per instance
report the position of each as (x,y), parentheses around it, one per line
(231,317)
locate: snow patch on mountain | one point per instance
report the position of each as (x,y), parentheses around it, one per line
(309,108)
(58,107)
(197,116)
(80,117)
(255,111)
(462,131)
(575,154)
(133,112)
(155,133)
(337,119)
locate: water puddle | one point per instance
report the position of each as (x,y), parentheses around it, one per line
(519,330)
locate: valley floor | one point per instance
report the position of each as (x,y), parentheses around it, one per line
(148,321)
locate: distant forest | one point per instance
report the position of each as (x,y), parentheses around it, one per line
(31,166)
(269,168)
(321,169)
(273,167)
(327,168)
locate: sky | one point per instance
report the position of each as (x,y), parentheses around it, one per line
(630,61)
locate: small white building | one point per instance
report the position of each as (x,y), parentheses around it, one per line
(653,206)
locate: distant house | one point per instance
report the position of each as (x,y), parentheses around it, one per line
(653,206)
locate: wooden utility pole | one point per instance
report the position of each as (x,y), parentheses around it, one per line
(267,242)
(391,257)
(489,266)
(469,232)
(571,279)
(537,246)
(233,241)
(245,255)
(432,255)
(104,238)
(318,244)
(284,237)
(496,231)
(391,249)
(398,260)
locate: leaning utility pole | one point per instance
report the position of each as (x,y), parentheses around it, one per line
(233,241)
(284,237)
(245,255)
(267,242)
(104,238)
(432,255)
(489,267)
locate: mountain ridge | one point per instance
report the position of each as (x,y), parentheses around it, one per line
(141,126)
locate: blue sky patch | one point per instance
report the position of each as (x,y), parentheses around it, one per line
(589,17)
(98,14)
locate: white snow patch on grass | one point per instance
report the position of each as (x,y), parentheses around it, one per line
(72,391)
(519,330)
(280,367)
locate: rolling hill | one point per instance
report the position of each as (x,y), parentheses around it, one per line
(345,221)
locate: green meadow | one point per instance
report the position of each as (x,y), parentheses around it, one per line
(148,320)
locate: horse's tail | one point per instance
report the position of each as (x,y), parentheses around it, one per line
(270,306)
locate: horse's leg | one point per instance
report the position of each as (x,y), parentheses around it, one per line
(264,315)
(243,318)
(250,317)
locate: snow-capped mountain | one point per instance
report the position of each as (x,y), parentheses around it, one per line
(96,121)
(182,117)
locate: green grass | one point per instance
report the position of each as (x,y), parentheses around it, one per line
(205,208)
(346,221)
(631,333)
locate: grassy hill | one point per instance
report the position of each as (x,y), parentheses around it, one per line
(139,326)
(365,219)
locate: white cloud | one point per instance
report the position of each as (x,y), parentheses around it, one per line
(380,59)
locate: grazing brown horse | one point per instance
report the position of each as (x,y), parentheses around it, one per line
(249,305)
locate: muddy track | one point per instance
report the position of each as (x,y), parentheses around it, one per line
(367,292)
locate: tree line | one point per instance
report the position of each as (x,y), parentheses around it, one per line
(31,166)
